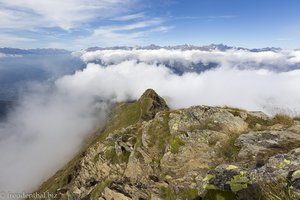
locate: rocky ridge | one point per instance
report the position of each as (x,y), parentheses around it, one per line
(147,151)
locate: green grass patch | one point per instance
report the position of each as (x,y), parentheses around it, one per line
(228,150)
(219,195)
(297,118)
(166,193)
(125,114)
(234,108)
(253,121)
(159,132)
(111,155)
(277,189)
(189,194)
(175,144)
(283,120)
(96,192)
(96,158)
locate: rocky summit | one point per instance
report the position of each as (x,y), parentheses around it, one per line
(147,151)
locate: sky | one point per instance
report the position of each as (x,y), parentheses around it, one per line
(78,24)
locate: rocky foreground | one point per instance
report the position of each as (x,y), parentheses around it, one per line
(147,151)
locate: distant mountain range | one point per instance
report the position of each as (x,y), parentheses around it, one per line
(16,51)
(211,47)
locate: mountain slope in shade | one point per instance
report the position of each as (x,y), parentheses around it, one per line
(147,151)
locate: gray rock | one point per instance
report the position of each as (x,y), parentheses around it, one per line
(257,147)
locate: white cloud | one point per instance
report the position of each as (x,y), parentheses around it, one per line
(3,55)
(251,89)
(79,23)
(133,26)
(10,40)
(234,58)
(129,17)
(65,14)
(294,57)
(45,130)
(129,34)
(211,17)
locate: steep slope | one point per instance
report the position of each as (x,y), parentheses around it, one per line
(147,151)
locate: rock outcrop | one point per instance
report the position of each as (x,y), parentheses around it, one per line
(147,151)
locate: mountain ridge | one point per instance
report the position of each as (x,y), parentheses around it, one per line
(147,151)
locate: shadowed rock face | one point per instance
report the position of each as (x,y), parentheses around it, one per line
(148,151)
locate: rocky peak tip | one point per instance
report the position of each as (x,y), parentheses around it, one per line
(154,103)
(149,93)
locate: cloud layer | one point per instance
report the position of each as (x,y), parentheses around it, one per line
(260,89)
(42,134)
(243,59)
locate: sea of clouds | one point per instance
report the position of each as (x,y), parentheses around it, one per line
(281,60)
(48,126)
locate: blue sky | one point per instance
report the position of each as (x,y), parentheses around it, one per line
(77,24)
